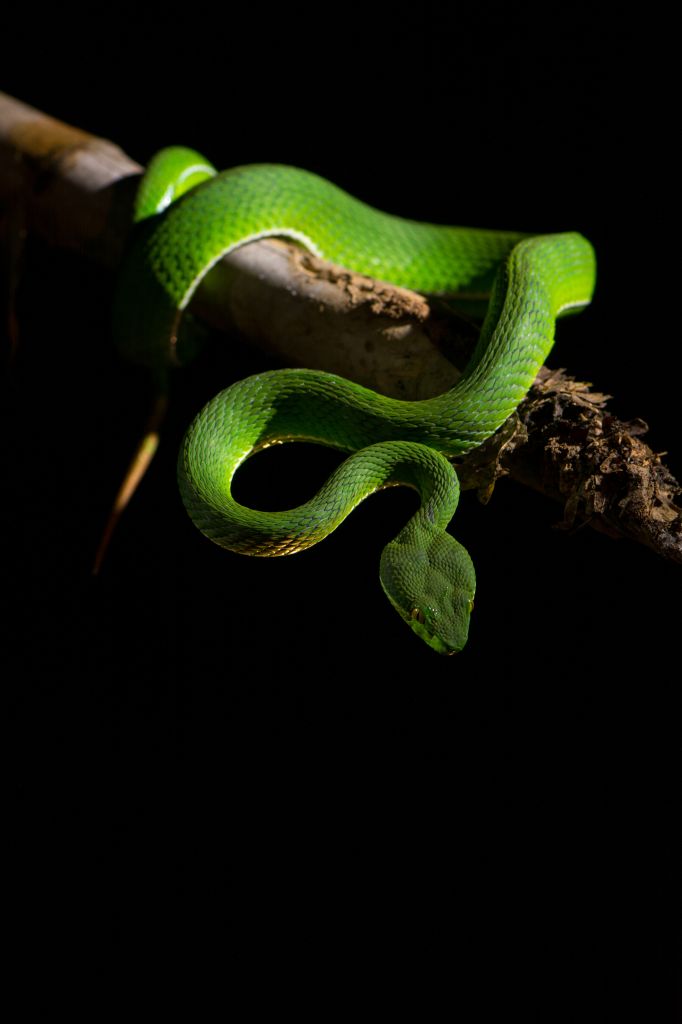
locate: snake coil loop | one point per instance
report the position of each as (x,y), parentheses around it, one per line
(190,216)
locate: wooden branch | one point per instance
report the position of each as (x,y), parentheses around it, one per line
(77,191)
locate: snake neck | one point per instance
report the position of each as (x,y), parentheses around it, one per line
(271,407)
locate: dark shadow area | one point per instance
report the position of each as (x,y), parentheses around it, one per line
(196,730)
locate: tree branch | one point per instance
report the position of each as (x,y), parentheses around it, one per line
(77,191)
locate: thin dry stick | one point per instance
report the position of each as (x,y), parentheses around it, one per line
(77,189)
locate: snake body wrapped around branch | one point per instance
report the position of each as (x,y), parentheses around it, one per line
(189,216)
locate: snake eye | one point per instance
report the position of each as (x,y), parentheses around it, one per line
(471,605)
(418,614)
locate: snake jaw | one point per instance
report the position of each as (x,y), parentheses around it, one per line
(428,630)
(421,623)
(432,639)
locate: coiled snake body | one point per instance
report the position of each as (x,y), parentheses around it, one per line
(427,575)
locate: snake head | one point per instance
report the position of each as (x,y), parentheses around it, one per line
(429,579)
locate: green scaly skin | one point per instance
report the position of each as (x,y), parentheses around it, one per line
(427,575)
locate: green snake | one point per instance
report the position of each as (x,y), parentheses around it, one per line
(189,216)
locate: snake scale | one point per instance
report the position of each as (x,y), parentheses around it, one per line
(188,216)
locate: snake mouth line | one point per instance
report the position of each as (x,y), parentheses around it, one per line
(434,642)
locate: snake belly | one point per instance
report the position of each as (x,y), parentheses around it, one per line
(191,215)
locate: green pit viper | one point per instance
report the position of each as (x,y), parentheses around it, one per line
(189,216)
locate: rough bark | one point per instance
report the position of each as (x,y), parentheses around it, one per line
(76,190)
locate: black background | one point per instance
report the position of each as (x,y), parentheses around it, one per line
(261,745)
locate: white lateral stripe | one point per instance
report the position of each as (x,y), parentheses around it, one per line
(267,233)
